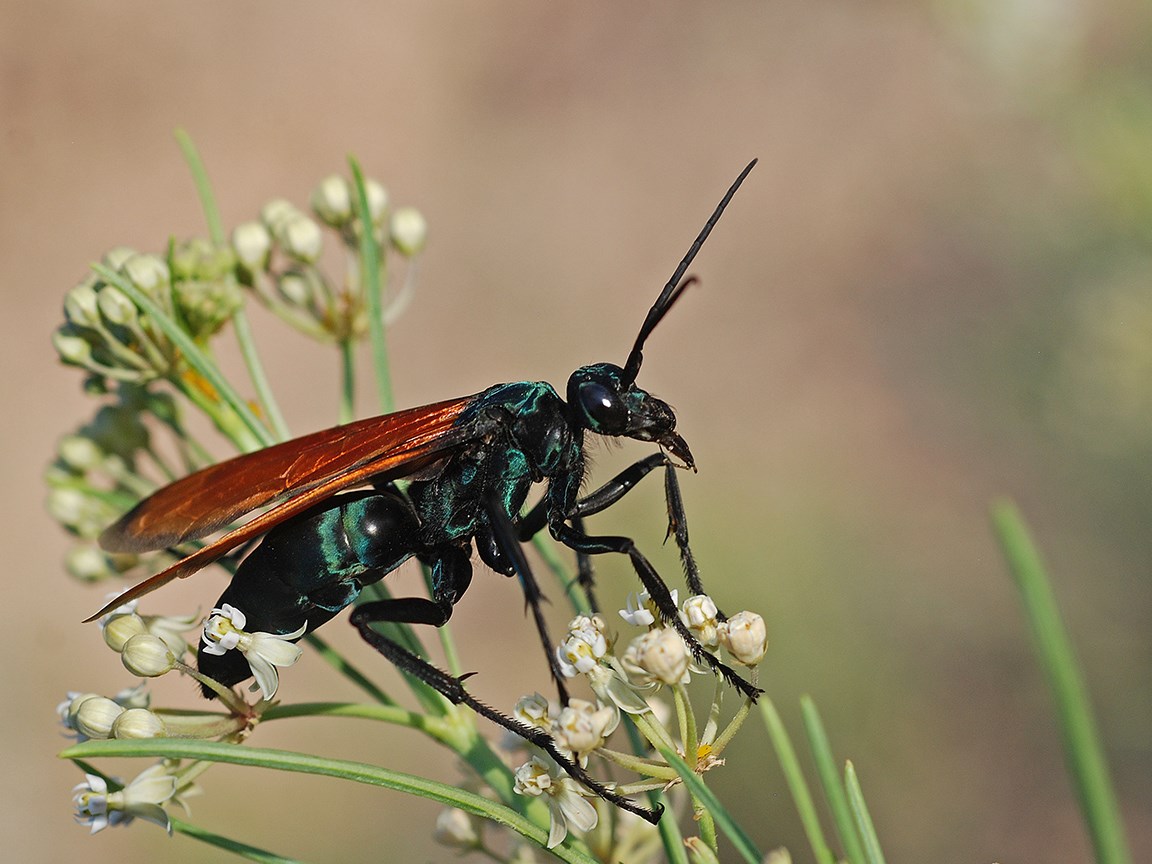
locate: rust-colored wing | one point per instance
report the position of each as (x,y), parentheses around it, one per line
(210,499)
(304,471)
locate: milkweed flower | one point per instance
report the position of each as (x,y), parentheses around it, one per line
(658,655)
(745,637)
(701,616)
(640,610)
(583,726)
(567,805)
(224,631)
(585,644)
(142,798)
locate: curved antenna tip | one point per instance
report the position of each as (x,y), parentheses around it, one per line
(674,287)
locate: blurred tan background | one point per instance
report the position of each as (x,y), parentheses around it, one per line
(935,289)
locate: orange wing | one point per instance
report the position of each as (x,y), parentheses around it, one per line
(305,471)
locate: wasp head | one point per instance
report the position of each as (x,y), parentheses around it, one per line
(604,401)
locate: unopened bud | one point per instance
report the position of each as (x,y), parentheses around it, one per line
(252,243)
(332,201)
(120,628)
(146,272)
(745,637)
(408,231)
(95,716)
(301,238)
(138,723)
(147,656)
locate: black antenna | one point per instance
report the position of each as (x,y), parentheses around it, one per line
(675,287)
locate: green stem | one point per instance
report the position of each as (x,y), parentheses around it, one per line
(372,269)
(336,660)
(796,783)
(244,850)
(258,376)
(203,187)
(670,836)
(834,792)
(347,380)
(1083,750)
(394,714)
(547,551)
(707,825)
(282,760)
(687,725)
(872,852)
(724,821)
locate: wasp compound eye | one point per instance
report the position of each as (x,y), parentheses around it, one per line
(605,410)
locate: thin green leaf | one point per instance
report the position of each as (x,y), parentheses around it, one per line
(257,375)
(240,318)
(796,782)
(1083,750)
(670,835)
(357,772)
(203,187)
(372,274)
(337,661)
(244,850)
(707,797)
(872,851)
(833,786)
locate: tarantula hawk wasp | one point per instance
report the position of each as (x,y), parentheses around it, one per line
(471,463)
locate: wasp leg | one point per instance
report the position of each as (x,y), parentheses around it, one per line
(585,576)
(607,495)
(678,528)
(421,611)
(513,561)
(657,590)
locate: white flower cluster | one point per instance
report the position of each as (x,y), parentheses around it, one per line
(623,681)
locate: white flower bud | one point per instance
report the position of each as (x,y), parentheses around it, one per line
(295,289)
(138,723)
(81,453)
(534,711)
(252,243)
(301,238)
(660,655)
(146,272)
(745,637)
(276,212)
(88,563)
(115,306)
(147,656)
(454,829)
(95,715)
(83,513)
(80,305)
(68,708)
(332,201)
(71,348)
(117,255)
(409,231)
(700,615)
(377,197)
(583,726)
(118,629)
(583,647)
